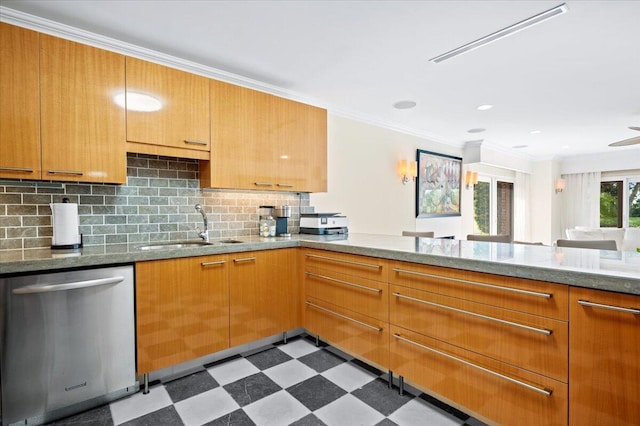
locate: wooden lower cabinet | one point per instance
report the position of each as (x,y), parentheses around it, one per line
(182,310)
(264,294)
(531,342)
(357,334)
(604,358)
(490,390)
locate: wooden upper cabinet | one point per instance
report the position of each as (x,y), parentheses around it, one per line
(261,141)
(83,130)
(19,103)
(180,124)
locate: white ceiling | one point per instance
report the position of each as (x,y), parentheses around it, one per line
(575,78)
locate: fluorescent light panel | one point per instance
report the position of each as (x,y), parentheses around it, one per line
(505,32)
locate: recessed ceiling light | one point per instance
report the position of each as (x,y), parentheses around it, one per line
(519,146)
(565,146)
(484,107)
(535,132)
(404,104)
(512,29)
(476,130)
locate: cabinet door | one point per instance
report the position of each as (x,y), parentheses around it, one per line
(261,141)
(604,358)
(182,120)
(19,103)
(82,127)
(182,310)
(264,295)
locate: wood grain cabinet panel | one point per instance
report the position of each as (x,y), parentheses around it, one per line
(264,295)
(371,268)
(533,343)
(19,103)
(604,360)
(351,292)
(182,310)
(180,127)
(264,142)
(529,296)
(491,390)
(82,128)
(353,332)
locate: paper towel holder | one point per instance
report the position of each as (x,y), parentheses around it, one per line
(67,246)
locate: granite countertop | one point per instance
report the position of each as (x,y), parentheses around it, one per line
(598,269)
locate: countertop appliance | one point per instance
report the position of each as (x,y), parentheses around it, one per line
(323,223)
(67,343)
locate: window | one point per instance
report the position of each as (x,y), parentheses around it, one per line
(620,203)
(493,207)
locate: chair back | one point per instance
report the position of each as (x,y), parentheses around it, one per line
(490,238)
(421,234)
(591,244)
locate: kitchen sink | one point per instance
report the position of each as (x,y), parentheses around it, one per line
(173,245)
(230,241)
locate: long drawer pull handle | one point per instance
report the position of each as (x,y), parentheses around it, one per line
(364,324)
(47,288)
(65,172)
(217,262)
(437,305)
(192,142)
(349,262)
(457,280)
(17,169)
(543,391)
(244,259)
(263,183)
(363,287)
(285,185)
(610,307)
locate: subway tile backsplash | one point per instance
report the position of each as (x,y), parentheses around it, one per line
(156,204)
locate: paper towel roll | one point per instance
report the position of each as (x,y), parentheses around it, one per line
(65,224)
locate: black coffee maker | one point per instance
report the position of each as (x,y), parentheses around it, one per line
(283,213)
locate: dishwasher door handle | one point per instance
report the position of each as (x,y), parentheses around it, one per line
(47,288)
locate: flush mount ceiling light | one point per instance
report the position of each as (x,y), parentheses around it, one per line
(138,102)
(404,105)
(505,32)
(484,107)
(476,130)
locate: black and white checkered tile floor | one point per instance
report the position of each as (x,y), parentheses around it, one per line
(296,383)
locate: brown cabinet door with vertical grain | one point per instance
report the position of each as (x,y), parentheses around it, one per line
(181,120)
(83,129)
(604,358)
(19,103)
(182,310)
(264,295)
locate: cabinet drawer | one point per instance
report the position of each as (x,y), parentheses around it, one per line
(357,334)
(357,294)
(349,264)
(490,389)
(530,296)
(605,358)
(531,342)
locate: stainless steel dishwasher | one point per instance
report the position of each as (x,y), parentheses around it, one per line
(68,342)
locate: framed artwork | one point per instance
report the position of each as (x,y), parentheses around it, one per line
(438,184)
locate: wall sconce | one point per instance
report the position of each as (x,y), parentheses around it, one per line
(560,185)
(470,179)
(408,169)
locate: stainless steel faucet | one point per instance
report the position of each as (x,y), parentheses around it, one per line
(204,234)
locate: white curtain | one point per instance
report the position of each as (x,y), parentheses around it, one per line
(581,200)
(521,217)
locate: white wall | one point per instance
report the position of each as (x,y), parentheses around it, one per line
(622,159)
(545,203)
(363,182)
